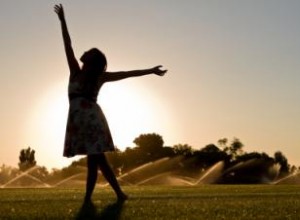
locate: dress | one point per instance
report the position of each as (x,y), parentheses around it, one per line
(87,130)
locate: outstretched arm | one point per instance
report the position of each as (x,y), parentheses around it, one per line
(114,76)
(73,64)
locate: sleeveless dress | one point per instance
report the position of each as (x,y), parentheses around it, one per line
(87,130)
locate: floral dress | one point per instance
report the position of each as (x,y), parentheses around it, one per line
(87,130)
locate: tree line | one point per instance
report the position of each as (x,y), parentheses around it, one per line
(241,166)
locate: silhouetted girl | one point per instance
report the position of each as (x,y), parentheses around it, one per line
(87,131)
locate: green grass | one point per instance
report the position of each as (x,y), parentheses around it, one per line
(157,202)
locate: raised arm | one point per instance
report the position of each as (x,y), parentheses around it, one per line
(72,62)
(114,76)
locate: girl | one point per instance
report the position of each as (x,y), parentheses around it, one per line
(87,131)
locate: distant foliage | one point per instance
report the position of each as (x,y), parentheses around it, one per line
(239,166)
(150,147)
(183,149)
(7,173)
(26,159)
(283,162)
(234,149)
(149,143)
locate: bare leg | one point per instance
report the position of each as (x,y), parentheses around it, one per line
(110,177)
(92,165)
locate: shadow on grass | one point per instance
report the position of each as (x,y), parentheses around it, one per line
(111,211)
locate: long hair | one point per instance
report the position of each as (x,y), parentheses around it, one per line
(95,60)
(98,60)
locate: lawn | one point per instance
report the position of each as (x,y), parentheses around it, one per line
(156,202)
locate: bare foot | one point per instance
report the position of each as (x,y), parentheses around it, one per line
(122,197)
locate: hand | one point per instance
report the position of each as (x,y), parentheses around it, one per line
(59,11)
(156,70)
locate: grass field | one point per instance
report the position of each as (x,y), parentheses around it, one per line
(156,202)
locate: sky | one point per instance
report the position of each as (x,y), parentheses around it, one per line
(233,71)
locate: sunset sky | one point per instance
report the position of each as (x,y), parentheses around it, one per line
(233,71)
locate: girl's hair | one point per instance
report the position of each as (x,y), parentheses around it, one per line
(96,59)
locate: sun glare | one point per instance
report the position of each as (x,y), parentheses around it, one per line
(129,112)
(46,126)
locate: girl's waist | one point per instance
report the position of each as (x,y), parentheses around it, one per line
(73,96)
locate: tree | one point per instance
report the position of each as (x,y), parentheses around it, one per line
(133,157)
(27,159)
(222,142)
(211,148)
(149,143)
(235,149)
(283,162)
(209,155)
(183,149)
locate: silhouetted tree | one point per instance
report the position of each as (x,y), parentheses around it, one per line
(209,155)
(151,144)
(211,148)
(81,162)
(252,155)
(283,162)
(239,165)
(234,149)
(183,149)
(223,143)
(27,159)
(133,157)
